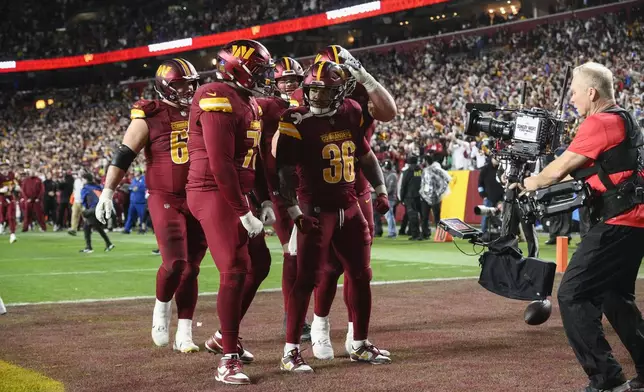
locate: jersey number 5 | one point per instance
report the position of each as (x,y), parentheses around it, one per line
(341,159)
(179,146)
(249,159)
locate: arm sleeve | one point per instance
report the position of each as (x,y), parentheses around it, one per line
(219,137)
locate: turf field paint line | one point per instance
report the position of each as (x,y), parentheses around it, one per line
(274,290)
(17,379)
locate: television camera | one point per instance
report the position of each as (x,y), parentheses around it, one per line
(532,136)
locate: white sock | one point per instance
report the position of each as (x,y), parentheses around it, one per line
(3,310)
(288,347)
(161,309)
(319,322)
(218,335)
(350,330)
(184,328)
(357,344)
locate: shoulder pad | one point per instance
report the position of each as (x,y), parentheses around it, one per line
(287,123)
(216,97)
(143,108)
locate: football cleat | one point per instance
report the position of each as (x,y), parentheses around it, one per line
(86,250)
(216,346)
(109,247)
(231,371)
(348,348)
(185,344)
(322,347)
(370,354)
(161,324)
(293,362)
(12,238)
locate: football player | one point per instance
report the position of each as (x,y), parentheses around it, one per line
(161,128)
(288,77)
(225,134)
(377,104)
(8,188)
(319,146)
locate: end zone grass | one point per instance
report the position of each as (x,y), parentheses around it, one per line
(48,267)
(16,379)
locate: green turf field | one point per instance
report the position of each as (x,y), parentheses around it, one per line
(47,266)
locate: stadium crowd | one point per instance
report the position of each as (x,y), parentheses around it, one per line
(431,87)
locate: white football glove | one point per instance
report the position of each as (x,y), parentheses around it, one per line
(361,75)
(252,225)
(267,215)
(105,207)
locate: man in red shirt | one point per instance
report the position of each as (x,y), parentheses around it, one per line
(601,275)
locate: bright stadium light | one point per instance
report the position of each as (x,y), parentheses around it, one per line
(179,43)
(355,10)
(7,64)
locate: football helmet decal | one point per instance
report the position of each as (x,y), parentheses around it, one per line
(248,64)
(176,81)
(325,86)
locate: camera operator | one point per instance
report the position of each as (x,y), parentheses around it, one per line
(602,272)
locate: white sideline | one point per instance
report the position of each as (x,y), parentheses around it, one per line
(82,301)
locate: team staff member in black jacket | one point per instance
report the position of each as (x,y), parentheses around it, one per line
(489,188)
(410,195)
(602,272)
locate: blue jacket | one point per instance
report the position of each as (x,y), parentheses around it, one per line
(90,194)
(137,190)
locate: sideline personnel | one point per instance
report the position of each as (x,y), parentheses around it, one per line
(602,272)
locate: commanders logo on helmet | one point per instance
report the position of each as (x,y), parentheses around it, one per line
(248,64)
(325,86)
(338,55)
(176,81)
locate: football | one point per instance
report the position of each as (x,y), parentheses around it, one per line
(537,312)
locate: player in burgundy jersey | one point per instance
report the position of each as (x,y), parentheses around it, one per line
(319,146)
(161,128)
(225,135)
(377,104)
(288,77)
(8,187)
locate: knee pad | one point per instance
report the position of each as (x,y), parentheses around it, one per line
(191,271)
(365,274)
(176,267)
(232,280)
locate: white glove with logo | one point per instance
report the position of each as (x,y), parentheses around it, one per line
(362,76)
(105,207)
(267,215)
(252,225)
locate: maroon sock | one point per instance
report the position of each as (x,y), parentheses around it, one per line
(346,295)
(253,280)
(168,279)
(327,286)
(289,272)
(360,300)
(187,292)
(229,300)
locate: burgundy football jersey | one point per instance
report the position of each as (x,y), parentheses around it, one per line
(225,126)
(361,96)
(324,150)
(272,110)
(166,152)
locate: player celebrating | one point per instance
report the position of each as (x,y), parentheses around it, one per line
(377,104)
(8,187)
(225,133)
(288,77)
(161,127)
(323,141)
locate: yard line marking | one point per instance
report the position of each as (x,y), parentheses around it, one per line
(278,289)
